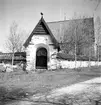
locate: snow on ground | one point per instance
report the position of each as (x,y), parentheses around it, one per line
(71,64)
(7,67)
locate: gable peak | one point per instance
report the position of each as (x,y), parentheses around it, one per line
(41,29)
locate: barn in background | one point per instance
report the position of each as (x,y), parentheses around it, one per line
(47,39)
(7,57)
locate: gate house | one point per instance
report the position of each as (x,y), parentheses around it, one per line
(42,45)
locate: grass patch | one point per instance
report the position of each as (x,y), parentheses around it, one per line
(39,81)
(19,83)
(89,71)
(8,96)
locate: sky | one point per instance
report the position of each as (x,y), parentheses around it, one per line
(26,13)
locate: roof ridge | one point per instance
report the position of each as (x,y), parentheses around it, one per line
(69,20)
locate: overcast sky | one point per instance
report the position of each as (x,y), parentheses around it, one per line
(27,13)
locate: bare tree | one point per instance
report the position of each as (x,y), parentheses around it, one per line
(89,37)
(15,40)
(98,34)
(75,39)
(12,40)
(79,35)
(97,3)
(71,38)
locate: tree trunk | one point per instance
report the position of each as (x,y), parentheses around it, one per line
(89,65)
(75,54)
(75,46)
(12,59)
(98,54)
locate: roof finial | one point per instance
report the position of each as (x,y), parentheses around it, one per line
(41,14)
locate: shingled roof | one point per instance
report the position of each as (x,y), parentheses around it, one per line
(59,27)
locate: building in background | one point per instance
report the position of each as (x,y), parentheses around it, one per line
(47,39)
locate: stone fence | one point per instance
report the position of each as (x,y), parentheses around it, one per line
(55,64)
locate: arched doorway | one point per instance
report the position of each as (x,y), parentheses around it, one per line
(41,58)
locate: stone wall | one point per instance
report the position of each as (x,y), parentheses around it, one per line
(36,42)
(71,64)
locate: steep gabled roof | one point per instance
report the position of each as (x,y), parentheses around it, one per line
(42,29)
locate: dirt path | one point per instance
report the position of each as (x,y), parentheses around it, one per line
(87,86)
(90,85)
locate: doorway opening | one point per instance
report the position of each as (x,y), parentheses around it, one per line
(41,58)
